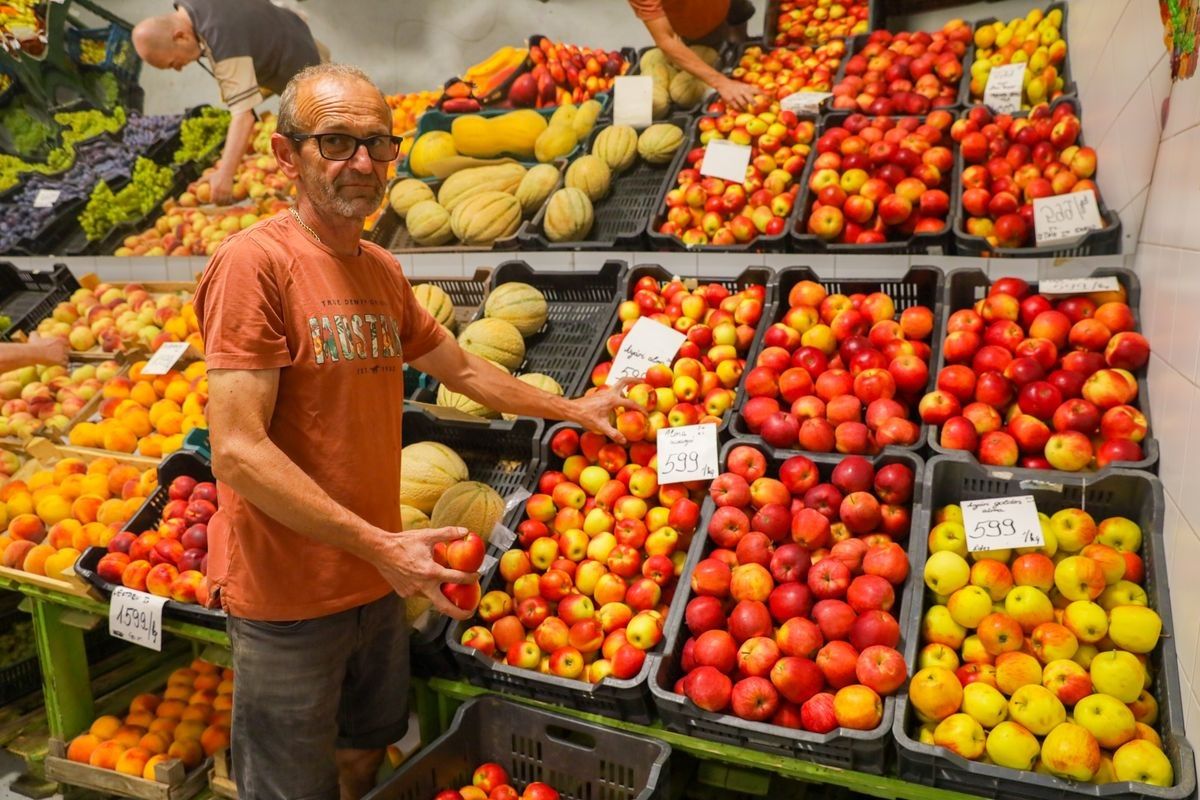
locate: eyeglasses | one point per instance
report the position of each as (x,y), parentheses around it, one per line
(343,146)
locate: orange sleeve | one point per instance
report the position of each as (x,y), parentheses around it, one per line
(419,331)
(240,310)
(648,9)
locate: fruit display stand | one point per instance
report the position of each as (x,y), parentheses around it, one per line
(965,98)
(920,286)
(27,298)
(182,462)
(619,217)
(172,781)
(840,747)
(1113,492)
(965,287)
(579,759)
(580,308)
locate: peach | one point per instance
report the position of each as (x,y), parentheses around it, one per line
(189,751)
(119,474)
(129,735)
(170,709)
(104,727)
(120,439)
(81,747)
(27,527)
(19,503)
(184,587)
(68,466)
(15,553)
(224,702)
(106,755)
(35,560)
(58,563)
(62,534)
(141,719)
(149,773)
(181,693)
(200,713)
(144,702)
(134,576)
(214,738)
(191,729)
(53,508)
(154,743)
(133,761)
(202,697)
(111,512)
(184,676)
(164,726)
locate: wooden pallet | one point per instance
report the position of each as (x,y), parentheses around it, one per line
(172,781)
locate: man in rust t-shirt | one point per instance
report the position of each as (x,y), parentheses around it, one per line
(306,329)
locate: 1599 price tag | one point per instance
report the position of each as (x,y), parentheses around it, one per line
(136,617)
(1002,523)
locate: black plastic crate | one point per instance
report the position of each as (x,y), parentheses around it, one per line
(467,295)
(1070,90)
(29,297)
(625,699)
(1113,492)
(920,286)
(875,20)
(1105,241)
(21,677)
(620,216)
(116,235)
(57,230)
(580,307)
(965,286)
(582,760)
(120,57)
(769,243)
(181,462)
(751,276)
(841,748)
(931,244)
(504,455)
(725,59)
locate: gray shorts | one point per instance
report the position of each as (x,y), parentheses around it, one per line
(308,687)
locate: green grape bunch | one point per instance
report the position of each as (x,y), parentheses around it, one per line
(202,134)
(106,209)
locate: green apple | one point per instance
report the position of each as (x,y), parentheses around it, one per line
(1134,628)
(1029,606)
(1086,620)
(1070,751)
(969,605)
(1074,529)
(1121,533)
(1069,681)
(1036,709)
(1119,674)
(1141,761)
(984,704)
(1010,745)
(946,572)
(950,537)
(1109,720)
(938,627)
(961,734)
(1123,593)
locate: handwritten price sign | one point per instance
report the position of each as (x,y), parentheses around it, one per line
(136,617)
(1002,94)
(1065,216)
(687,453)
(647,343)
(1001,523)
(1078,285)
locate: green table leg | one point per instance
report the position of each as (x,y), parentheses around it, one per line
(65,680)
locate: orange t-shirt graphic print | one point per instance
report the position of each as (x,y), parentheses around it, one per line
(339,330)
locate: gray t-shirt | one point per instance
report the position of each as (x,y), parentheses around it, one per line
(252,45)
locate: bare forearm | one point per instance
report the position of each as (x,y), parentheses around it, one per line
(237,138)
(496,389)
(14,355)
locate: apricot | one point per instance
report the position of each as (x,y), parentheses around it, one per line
(189,751)
(137,421)
(190,729)
(56,565)
(16,552)
(202,667)
(170,423)
(86,434)
(154,742)
(143,394)
(111,511)
(106,755)
(224,718)
(184,676)
(41,479)
(194,370)
(96,485)
(102,465)
(134,576)
(193,421)
(193,405)
(165,727)
(27,527)
(162,407)
(129,735)
(104,534)
(69,466)
(224,702)
(149,772)
(151,446)
(144,702)
(62,534)
(71,486)
(200,713)
(18,504)
(104,727)
(147,483)
(214,738)
(202,697)
(119,474)
(133,761)
(120,439)
(11,489)
(227,675)
(226,685)
(53,508)
(141,718)
(171,444)
(180,693)
(117,387)
(35,561)
(81,747)
(207,680)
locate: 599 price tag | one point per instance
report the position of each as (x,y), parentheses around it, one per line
(687,453)
(1002,523)
(136,617)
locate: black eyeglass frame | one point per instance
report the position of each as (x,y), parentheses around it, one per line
(319,137)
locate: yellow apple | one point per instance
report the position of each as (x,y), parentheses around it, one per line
(1119,674)
(946,572)
(1036,709)
(1003,556)
(1017,669)
(937,655)
(1145,708)
(984,704)
(1069,682)
(969,605)
(1074,529)
(1029,606)
(939,627)
(1134,628)
(1086,620)
(1120,533)
(1085,654)
(1109,720)
(1079,578)
(935,693)
(1052,641)
(961,734)
(1011,745)
(973,651)
(1141,761)
(1070,751)
(1122,593)
(950,537)
(925,733)
(1106,773)
(1143,731)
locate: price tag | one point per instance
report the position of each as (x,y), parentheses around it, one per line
(46,198)
(804,102)
(633,101)
(1001,523)
(647,343)
(1065,216)
(1078,285)
(1004,86)
(136,617)
(725,160)
(687,453)
(164,358)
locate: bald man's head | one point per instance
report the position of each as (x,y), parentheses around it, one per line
(320,83)
(167,41)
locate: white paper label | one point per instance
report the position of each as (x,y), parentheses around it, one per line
(804,102)
(46,198)
(1065,216)
(1003,91)
(1078,285)
(164,358)
(1001,523)
(687,453)
(725,160)
(136,617)
(647,343)
(633,101)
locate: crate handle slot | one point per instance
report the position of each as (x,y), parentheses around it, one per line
(571,737)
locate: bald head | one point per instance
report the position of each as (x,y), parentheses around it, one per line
(314,89)
(167,41)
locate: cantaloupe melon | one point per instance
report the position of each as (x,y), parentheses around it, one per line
(496,340)
(427,469)
(471,505)
(518,303)
(434,299)
(412,519)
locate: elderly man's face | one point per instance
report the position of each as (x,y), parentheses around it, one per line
(352,188)
(181,52)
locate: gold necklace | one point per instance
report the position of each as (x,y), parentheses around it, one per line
(300,222)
